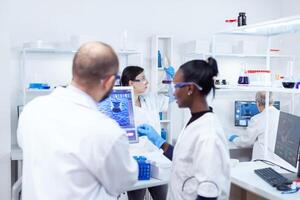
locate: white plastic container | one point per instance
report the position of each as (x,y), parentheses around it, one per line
(160,171)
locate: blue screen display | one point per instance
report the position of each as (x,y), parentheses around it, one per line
(244,110)
(119,106)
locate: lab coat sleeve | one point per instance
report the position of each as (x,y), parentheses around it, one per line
(120,170)
(208,167)
(20,136)
(248,138)
(110,163)
(20,128)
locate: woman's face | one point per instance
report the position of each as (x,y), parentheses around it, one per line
(181,93)
(139,84)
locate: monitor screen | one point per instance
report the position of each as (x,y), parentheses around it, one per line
(119,106)
(244,110)
(288,138)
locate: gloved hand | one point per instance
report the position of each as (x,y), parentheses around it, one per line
(232,137)
(152,135)
(170,71)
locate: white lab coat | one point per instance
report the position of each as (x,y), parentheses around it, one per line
(254,134)
(71,150)
(148,113)
(201,164)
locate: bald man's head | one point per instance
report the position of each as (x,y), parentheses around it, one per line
(94,61)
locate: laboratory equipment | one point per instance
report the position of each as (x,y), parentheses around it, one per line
(259,77)
(288,140)
(144,167)
(242,19)
(244,110)
(243,77)
(288,82)
(298,85)
(119,106)
(159,64)
(163,133)
(39,86)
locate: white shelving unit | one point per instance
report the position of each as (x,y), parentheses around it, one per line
(164,44)
(268,30)
(25,52)
(126,55)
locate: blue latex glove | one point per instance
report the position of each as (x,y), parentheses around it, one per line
(231,137)
(170,71)
(152,135)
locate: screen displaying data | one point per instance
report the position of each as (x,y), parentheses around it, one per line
(288,138)
(119,106)
(244,110)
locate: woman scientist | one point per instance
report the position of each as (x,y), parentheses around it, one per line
(255,131)
(147,108)
(200,167)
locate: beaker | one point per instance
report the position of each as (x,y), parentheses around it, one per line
(243,77)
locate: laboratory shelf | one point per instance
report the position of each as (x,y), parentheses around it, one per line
(128,52)
(48,50)
(255,89)
(231,55)
(268,28)
(38,91)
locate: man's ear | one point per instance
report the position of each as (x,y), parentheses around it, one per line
(109,82)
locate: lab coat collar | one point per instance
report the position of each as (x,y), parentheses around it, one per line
(77,96)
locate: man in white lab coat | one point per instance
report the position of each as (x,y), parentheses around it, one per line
(70,149)
(254,134)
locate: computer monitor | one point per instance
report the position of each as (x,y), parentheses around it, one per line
(244,110)
(119,106)
(288,138)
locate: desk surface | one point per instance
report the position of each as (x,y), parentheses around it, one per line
(243,176)
(148,183)
(16,154)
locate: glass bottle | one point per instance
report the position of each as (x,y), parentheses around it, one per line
(242,20)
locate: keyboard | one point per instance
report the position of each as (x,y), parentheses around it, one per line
(272,177)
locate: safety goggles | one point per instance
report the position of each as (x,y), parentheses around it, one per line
(140,80)
(183,84)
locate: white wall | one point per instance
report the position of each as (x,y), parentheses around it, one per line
(4,102)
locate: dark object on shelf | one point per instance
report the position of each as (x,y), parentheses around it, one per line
(242,19)
(243,80)
(288,84)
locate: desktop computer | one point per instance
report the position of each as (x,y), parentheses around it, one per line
(244,110)
(119,106)
(288,139)
(287,148)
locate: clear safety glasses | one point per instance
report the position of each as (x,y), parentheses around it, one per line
(183,84)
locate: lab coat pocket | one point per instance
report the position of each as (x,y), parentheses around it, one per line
(189,187)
